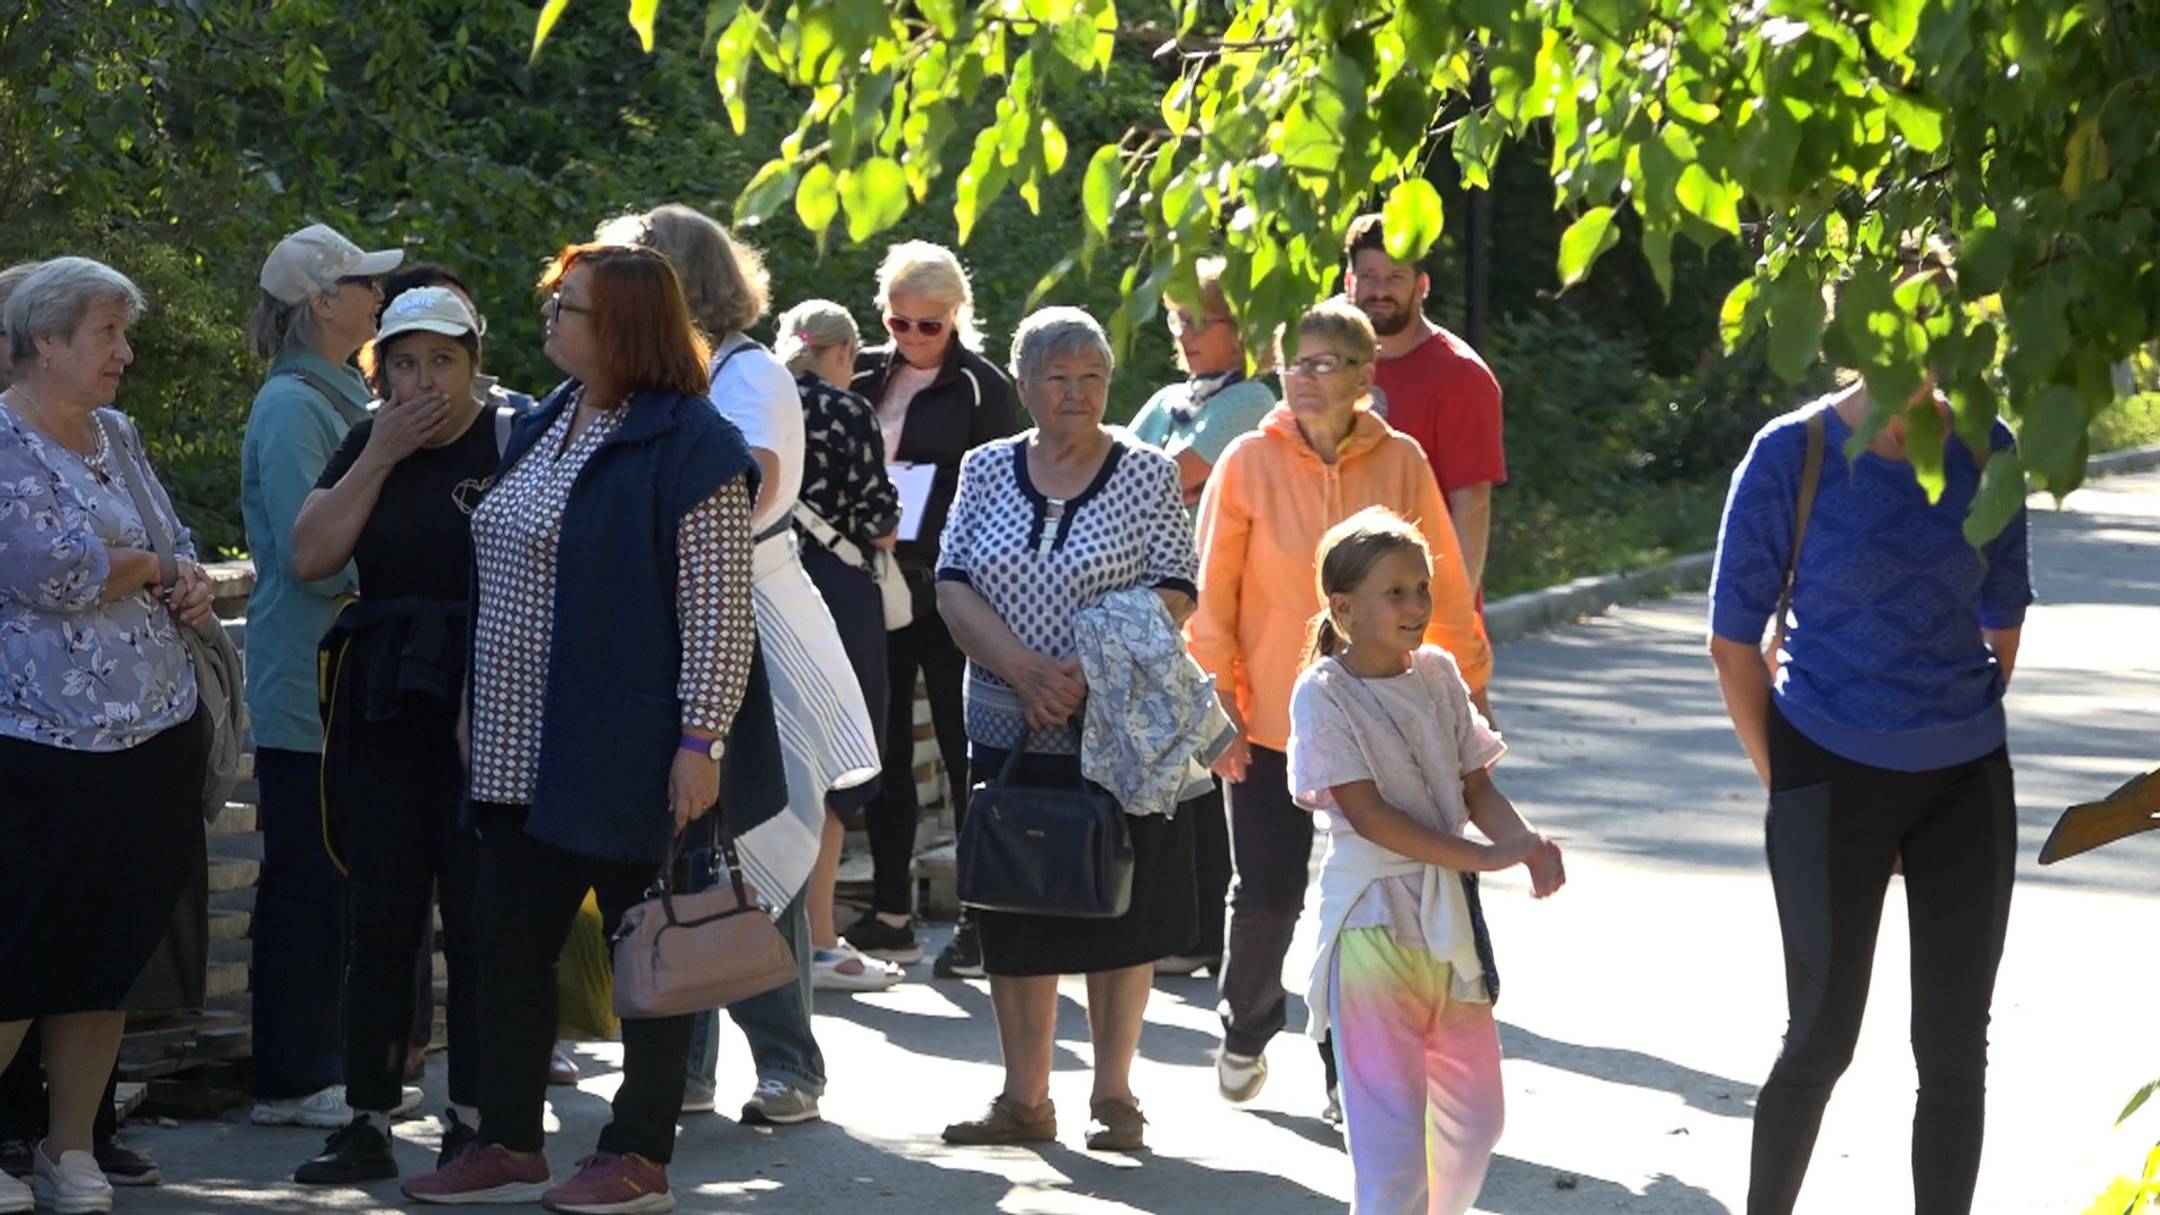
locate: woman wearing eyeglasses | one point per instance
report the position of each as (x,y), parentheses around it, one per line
(1319,458)
(936,400)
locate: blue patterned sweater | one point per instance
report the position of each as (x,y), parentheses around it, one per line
(1883,660)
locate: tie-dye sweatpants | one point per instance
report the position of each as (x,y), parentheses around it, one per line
(1421,1095)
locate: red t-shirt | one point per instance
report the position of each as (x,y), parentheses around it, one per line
(1443,395)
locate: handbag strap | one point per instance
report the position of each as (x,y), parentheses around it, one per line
(1810,481)
(137,480)
(1010,769)
(664,883)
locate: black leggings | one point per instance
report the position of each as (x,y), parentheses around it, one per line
(1833,830)
(927,646)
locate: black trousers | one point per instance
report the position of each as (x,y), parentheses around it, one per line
(1211,870)
(297,978)
(403,845)
(927,646)
(1271,842)
(528,893)
(1833,830)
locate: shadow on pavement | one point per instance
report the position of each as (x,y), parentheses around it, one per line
(1518,1187)
(1712,1094)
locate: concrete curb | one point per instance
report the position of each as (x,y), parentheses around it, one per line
(1535,611)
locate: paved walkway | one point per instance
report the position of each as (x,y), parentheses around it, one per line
(1643,1003)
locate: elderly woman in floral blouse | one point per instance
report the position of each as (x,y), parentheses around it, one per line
(100,736)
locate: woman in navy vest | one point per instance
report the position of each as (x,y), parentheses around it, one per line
(1881,739)
(612,644)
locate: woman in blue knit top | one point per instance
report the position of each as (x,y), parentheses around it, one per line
(1880,736)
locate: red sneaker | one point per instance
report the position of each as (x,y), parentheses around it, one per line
(484,1173)
(609,1184)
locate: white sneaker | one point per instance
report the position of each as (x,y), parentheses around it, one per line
(409,1098)
(843,969)
(71,1186)
(1332,1115)
(1239,1077)
(325,1110)
(698,1100)
(15,1197)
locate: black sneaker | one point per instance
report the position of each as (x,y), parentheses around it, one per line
(878,939)
(455,1137)
(124,1165)
(962,959)
(15,1156)
(357,1152)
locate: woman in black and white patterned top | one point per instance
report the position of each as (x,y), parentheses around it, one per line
(1045,524)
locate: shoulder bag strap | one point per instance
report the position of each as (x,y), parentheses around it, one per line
(1810,480)
(504,417)
(138,487)
(330,395)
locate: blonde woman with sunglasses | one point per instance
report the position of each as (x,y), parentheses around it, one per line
(937,398)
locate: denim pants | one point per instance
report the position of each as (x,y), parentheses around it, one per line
(298,972)
(776,1024)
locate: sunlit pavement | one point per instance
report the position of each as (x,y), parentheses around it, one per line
(1642,1005)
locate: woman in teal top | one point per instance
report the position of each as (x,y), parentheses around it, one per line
(319,298)
(1192,422)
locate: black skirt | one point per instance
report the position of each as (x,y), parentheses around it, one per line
(1162,919)
(101,844)
(858,612)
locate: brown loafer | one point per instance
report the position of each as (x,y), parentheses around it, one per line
(1007,1121)
(1114,1126)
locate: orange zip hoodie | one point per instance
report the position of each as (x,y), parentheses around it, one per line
(1267,504)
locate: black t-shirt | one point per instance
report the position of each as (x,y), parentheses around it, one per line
(417,542)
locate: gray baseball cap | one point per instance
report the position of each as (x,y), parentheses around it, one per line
(315,258)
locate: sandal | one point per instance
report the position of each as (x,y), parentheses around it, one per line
(1007,1121)
(1114,1126)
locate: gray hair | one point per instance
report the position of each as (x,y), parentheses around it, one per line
(56,295)
(277,325)
(10,279)
(1049,332)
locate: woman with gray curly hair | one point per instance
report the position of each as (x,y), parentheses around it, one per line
(101,735)
(1047,525)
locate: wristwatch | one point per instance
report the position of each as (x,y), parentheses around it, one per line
(710,748)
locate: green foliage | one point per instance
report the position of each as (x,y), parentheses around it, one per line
(1840,143)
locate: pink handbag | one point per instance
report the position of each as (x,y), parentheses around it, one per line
(684,953)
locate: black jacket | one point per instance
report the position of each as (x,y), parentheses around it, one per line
(969,404)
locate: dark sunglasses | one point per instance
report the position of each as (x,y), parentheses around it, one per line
(900,325)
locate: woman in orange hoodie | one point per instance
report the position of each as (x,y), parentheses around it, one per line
(1319,458)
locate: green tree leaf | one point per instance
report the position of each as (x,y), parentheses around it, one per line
(1411,219)
(1099,188)
(1795,323)
(1584,240)
(1708,199)
(817,198)
(766,191)
(2086,161)
(1918,118)
(550,13)
(874,195)
(641,20)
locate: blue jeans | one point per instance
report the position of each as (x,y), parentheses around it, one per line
(776,1024)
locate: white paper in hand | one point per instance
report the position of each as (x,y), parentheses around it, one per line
(912,481)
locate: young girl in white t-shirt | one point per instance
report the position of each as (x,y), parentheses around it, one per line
(1386,748)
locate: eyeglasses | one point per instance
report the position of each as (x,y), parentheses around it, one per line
(1182,322)
(1316,365)
(901,325)
(555,305)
